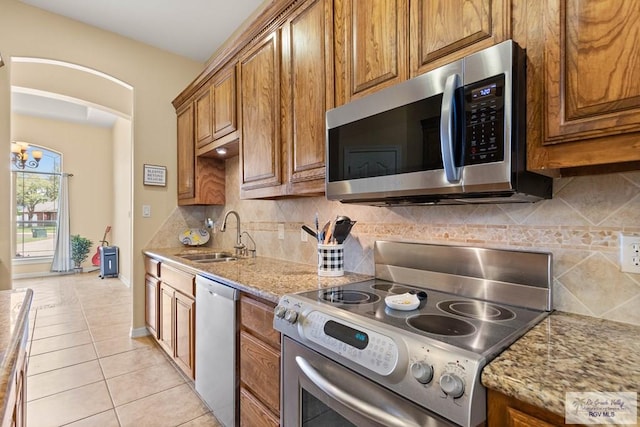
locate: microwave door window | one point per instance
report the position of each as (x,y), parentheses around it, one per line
(402,140)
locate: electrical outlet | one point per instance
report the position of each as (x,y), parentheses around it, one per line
(629,253)
(280,231)
(304,237)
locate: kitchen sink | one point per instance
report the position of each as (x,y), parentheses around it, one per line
(210,257)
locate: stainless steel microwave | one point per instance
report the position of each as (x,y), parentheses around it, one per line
(454,135)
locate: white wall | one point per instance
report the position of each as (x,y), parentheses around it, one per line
(121,209)
(156,76)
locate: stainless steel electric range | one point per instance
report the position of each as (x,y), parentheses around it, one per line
(349,359)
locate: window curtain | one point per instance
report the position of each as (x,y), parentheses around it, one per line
(62,257)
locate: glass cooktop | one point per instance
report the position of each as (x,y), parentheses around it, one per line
(471,324)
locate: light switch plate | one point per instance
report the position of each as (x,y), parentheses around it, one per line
(146,211)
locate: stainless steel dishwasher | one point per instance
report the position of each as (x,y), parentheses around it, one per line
(216,333)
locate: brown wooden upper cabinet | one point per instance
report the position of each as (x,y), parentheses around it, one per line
(442,31)
(584,85)
(204,119)
(371,46)
(259,98)
(383,42)
(200,180)
(285,88)
(215,123)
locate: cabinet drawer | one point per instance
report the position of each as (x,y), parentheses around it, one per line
(179,280)
(253,413)
(260,370)
(258,317)
(152,266)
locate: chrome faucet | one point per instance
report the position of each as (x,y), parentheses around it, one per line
(239,246)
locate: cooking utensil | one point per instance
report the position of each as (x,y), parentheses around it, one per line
(310,231)
(323,234)
(342,228)
(327,237)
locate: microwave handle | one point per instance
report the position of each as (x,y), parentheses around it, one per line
(446,129)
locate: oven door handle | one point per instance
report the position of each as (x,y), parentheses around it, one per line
(447,136)
(364,408)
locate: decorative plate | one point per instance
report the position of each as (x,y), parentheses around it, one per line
(194,237)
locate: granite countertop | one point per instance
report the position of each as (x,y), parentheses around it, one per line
(567,353)
(14,325)
(268,278)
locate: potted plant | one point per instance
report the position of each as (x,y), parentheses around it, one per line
(80,247)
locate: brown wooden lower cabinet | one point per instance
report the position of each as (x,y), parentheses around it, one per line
(254,413)
(505,411)
(259,364)
(152,289)
(170,312)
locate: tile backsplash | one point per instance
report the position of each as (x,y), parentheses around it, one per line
(580,226)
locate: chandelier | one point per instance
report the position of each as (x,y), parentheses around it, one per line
(20,156)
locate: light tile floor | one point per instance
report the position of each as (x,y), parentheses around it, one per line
(85,370)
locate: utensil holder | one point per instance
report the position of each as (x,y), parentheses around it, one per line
(330,260)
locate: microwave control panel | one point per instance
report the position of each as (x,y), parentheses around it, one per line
(484,119)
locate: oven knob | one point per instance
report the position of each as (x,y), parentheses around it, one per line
(452,385)
(280,312)
(422,372)
(291,316)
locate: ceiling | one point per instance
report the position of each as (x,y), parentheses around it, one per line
(191,28)
(194,29)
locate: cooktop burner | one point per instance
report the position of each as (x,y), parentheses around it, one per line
(392,288)
(476,310)
(349,296)
(441,325)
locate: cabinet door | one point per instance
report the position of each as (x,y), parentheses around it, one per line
(307,92)
(444,31)
(165,332)
(260,154)
(586,86)
(371,46)
(200,180)
(152,289)
(224,102)
(184,333)
(204,117)
(505,411)
(186,153)
(260,370)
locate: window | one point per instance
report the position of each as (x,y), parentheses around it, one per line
(35,193)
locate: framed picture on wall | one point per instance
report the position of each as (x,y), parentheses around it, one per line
(155,175)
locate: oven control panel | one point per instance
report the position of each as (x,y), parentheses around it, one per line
(367,348)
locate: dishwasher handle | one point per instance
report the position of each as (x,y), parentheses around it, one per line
(206,284)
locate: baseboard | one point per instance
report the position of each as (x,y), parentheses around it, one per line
(139,332)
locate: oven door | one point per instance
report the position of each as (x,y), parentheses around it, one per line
(317,391)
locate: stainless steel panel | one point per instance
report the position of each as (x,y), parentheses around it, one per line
(511,277)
